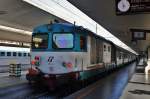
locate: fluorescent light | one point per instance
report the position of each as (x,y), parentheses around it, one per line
(15,43)
(65,10)
(10,29)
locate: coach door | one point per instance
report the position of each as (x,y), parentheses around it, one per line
(106,53)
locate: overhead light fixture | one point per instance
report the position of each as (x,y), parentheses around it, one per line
(10,29)
(65,10)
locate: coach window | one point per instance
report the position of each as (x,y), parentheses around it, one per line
(24,54)
(29,54)
(104,48)
(120,55)
(8,53)
(109,49)
(19,54)
(82,43)
(125,56)
(2,53)
(14,54)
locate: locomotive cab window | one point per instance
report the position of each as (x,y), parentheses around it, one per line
(40,41)
(63,40)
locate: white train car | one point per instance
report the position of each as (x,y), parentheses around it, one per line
(14,55)
(148,53)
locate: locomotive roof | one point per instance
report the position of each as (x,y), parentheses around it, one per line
(44,28)
(47,27)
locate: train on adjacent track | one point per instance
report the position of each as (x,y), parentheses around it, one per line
(14,55)
(62,50)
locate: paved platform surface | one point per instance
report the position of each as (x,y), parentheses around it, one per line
(7,81)
(109,87)
(139,86)
(4,69)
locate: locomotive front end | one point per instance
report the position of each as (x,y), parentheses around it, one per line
(54,53)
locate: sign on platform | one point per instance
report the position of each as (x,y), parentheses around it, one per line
(138,34)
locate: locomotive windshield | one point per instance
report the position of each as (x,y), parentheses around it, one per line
(64,40)
(40,41)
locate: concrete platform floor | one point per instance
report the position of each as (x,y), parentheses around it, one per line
(109,87)
(138,87)
(7,81)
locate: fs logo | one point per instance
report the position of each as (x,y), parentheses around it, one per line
(50,59)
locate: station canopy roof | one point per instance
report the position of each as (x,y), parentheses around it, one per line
(68,12)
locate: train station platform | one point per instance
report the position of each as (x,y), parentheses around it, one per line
(139,86)
(130,82)
(5,68)
(109,87)
(7,81)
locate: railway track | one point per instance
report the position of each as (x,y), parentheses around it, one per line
(26,91)
(22,91)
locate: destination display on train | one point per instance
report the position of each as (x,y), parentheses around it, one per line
(132,6)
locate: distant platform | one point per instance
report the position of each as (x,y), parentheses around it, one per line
(138,87)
